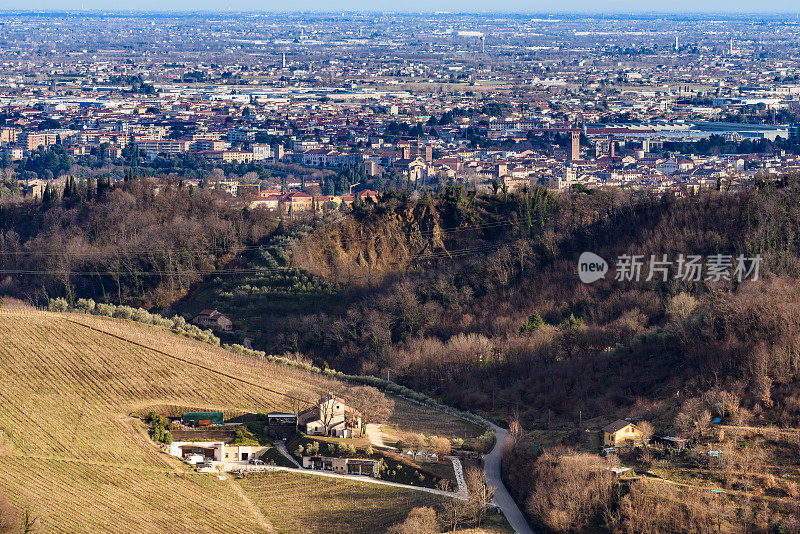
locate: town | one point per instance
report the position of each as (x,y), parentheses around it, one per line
(404,272)
(334,111)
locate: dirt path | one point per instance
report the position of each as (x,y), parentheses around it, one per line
(358,478)
(764,431)
(719,490)
(257,515)
(375,436)
(94,463)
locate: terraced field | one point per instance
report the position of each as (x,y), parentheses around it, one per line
(71,452)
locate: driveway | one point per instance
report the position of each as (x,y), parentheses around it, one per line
(501,496)
(281,446)
(331,474)
(375,436)
(458,469)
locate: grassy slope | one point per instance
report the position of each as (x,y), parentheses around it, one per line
(70,451)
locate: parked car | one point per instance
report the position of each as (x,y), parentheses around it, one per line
(195,459)
(255,461)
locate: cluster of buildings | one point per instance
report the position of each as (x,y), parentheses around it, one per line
(500,102)
(330,416)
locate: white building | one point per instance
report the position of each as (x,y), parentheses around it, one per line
(261,152)
(216,451)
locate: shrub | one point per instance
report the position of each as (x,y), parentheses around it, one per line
(443,446)
(58,304)
(88,305)
(106,310)
(123,312)
(485,440)
(142,316)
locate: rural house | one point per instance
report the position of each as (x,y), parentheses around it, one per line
(214,320)
(620,433)
(331,416)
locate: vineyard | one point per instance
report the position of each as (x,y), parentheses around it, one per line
(72,452)
(307,504)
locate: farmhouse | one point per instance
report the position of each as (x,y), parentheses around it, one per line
(344,466)
(214,320)
(331,416)
(209,450)
(621,432)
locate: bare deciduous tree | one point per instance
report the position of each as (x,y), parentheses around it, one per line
(296,404)
(375,407)
(419,521)
(647,431)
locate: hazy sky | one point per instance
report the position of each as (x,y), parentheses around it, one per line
(521,6)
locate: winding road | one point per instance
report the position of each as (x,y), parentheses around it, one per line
(494,479)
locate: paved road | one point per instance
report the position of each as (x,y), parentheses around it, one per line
(501,496)
(330,474)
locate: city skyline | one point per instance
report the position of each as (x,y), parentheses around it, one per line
(686,8)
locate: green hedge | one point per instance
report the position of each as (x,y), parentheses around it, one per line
(177,323)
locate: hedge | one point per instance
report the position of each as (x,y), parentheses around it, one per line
(176,323)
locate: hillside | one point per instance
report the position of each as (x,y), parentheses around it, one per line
(72,455)
(501,323)
(508,329)
(364,250)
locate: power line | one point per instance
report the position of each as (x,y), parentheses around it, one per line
(253,270)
